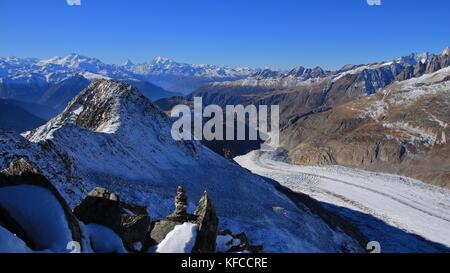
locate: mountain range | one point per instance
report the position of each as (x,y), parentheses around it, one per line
(37,80)
(302,93)
(84,124)
(312,103)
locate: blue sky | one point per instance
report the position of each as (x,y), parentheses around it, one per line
(256,33)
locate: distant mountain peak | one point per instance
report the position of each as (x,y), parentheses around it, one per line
(307,73)
(414,58)
(128,63)
(162,60)
(73,60)
(446,51)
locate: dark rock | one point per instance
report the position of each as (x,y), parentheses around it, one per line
(22,173)
(207,226)
(420,69)
(130,222)
(406,74)
(98,209)
(243,245)
(434,65)
(135,225)
(161,229)
(438,62)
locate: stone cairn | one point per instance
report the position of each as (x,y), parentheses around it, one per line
(181,205)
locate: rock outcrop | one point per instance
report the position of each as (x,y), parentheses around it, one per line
(130,222)
(237,243)
(21,177)
(208,223)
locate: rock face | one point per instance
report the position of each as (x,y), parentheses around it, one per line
(207,226)
(20,174)
(130,222)
(438,62)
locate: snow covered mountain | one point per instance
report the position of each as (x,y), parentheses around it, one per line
(110,135)
(56,81)
(304,90)
(171,75)
(185,78)
(165,66)
(375,75)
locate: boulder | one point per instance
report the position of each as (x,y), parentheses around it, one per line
(22,179)
(161,229)
(240,243)
(103,193)
(97,208)
(130,222)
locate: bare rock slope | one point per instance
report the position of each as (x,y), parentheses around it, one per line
(402,129)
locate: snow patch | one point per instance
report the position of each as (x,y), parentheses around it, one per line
(10,243)
(375,110)
(180,240)
(416,134)
(104,240)
(39,213)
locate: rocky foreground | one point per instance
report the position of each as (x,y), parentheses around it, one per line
(35,217)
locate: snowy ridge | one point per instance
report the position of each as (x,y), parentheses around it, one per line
(415,88)
(57,69)
(405,94)
(301,76)
(271,82)
(165,66)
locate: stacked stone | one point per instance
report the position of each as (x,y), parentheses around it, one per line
(181,203)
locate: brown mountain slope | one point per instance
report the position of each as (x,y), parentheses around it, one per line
(402,129)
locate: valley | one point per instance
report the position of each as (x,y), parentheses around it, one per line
(386,117)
